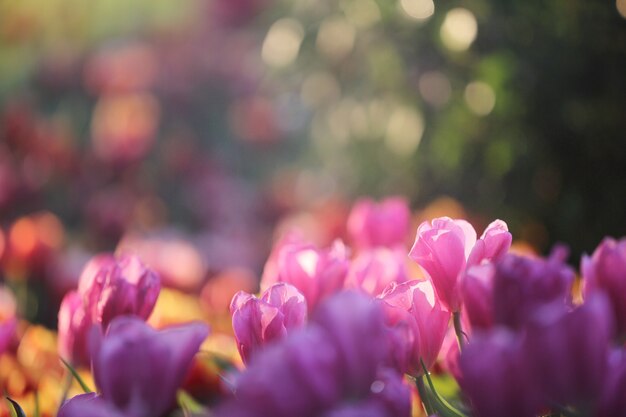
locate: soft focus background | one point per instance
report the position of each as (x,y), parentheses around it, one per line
(187,131)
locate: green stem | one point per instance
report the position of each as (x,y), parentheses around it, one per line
(449,409)
(421,388)
(458,329)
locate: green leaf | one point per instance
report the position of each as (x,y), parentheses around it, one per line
(188,403)
(84,386)
(16,411)
(444,408)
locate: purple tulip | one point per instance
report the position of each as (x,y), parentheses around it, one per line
(316,273)
(373,270)
(605,271)
(419,321)
(138,369)
(522,285)
(445,247)
(373,224)
(73,329)
(92,405)
(257,322)
(613,400)
(329,365)
(567,352)
(477,293)
(495,377)
(114,286)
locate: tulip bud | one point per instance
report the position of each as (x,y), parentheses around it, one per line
(477,292)
(495,377)
(257,322)
(73,329)
(521,285)
(373,224)
(316,273)
(138,369)
(605,271)
(114,286)
(567,352)
(373,270)
(419,321)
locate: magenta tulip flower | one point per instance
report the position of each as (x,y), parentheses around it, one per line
(419,321)
(316,273)
(522,285)
(257,322)
(333,365)
(477,292)
(495,377)
(114,286)
(373,270)
(605,271)
(445,247)
(567,352)
(8,319)
(138,369)
(92,405)
(73,330)
(373,224)
(613,400)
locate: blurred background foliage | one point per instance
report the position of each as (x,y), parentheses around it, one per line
(214,119)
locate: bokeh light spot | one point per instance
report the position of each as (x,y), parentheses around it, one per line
(282,43)
(335,38)
(621,7)
(418,9)
(404,131)
(435,88)
(480,98)
(459,29)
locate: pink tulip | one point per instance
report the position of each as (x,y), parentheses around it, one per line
(257,322)
(316,273)
(420,323)
(373,224)
(8,318)
(113,286)
(373,270)
(605,271)
(73,328)
(477,292)
(445,247)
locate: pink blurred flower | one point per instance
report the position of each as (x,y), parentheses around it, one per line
(137,369)
(257,322)
(8,318)
(379,224)
(605,271)
(113,286)
(73,330)
(373,270)
(445,247)
(420,323)
(317,273)
(613,400)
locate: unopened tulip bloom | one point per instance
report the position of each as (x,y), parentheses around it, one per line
(114,286)
(521,285)
(605,271)
(613,400)
(257,322)
(333,363)
(477,293)
(316,273)
(73,328)
(8,319)
(138,369)
(495,377)
(386,223)
(567,352)
(445,247)
(419,321)
(373,270)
